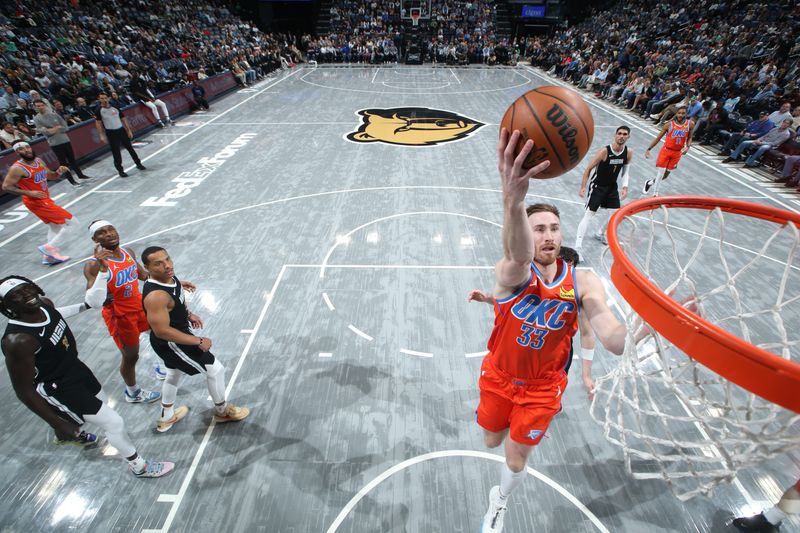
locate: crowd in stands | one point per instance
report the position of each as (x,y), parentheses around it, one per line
(372,31)
(735,66)
(67,53)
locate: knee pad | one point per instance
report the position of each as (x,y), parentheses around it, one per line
(173,377)
(214,369)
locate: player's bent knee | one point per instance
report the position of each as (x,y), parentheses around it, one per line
(493,440)
(215,368)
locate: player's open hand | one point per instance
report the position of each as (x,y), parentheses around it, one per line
(514,178)
(480,296)
(189,286)
(195,321)
(624,193)
(590,389)
(102,255)
(647,154)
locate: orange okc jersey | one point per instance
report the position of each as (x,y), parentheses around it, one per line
(677,135)
(533,328)
(123,284)
(36,178)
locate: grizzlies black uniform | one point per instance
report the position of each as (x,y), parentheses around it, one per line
(603,188)
(62,379)
(189,359)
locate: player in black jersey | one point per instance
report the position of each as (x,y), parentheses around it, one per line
(42,361)
(171,337)
(607,171)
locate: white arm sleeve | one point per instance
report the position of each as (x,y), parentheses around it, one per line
(72,310)
(96,295)
(624,176)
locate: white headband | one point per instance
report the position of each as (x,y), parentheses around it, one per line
(10,284)
(97,225)
(20,144)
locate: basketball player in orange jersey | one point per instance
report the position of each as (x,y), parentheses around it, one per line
(122,308)
(28,178)
(537,300)
(587,335)
(679,137)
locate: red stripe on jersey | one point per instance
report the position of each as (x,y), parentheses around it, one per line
(533,328)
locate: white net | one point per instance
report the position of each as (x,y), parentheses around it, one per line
(673,418)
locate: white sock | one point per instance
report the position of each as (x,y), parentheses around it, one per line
(583,226)
(509,480)
(167,412)
(774,515)
(137,464)
(603,221)
(132,390)
(220,408)
(54,233)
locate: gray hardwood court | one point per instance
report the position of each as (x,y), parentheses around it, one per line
(333,277)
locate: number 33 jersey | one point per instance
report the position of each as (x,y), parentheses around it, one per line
(533,328)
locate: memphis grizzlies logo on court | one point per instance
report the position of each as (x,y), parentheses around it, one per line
(412,126)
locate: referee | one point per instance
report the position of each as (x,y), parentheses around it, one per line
(113,127)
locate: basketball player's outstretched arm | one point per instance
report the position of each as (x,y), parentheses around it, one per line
(664,130)
(599,157)
(605,324)
(19,349)
(12,179)
(514,268)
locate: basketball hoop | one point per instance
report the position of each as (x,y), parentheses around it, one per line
(415,13)
(713,385)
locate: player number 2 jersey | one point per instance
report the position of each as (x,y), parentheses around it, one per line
(123,284)
(533,328)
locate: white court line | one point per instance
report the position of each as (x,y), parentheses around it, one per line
(407,93)
(328,301)
(178,498)
(476,354)
(589,99)
(422,267)
(375,75)
(169,498)
(109,180)
(358,332)
(169,134)
(247,331)
(416,353)
(110,192)
(459,453)
(325,354)
(343,238)
(454,75)
(283,123)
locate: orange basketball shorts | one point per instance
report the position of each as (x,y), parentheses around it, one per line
(525,408)
(668,159)
(47,210)
(125,327)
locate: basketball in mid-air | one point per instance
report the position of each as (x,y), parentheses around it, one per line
(560,124)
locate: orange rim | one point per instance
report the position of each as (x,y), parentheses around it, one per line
(761,372)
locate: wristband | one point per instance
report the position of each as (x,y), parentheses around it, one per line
(587,354)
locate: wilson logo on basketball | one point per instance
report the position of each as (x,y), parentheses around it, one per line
(559,120)
(412,126)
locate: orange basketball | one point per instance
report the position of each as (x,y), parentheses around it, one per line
(560,124)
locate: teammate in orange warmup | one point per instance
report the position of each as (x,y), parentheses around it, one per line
(28,178)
